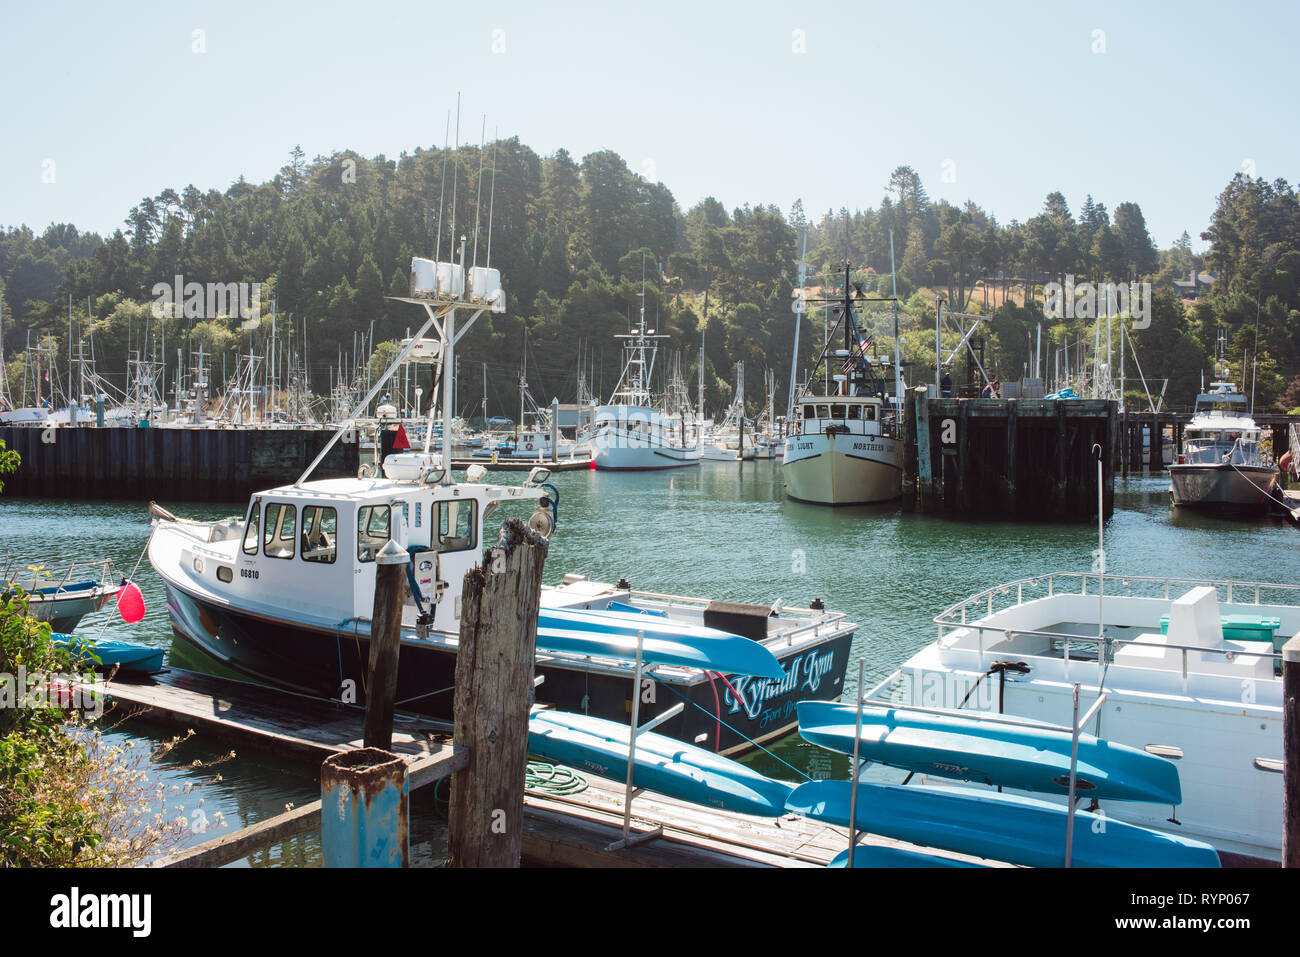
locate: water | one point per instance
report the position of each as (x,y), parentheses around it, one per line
(718,531)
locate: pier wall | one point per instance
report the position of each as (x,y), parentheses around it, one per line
(1008,458)
(167,464)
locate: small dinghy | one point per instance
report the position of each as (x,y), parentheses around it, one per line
(992,752)
(62,602)
(127,657)
(663,764)
(997,827)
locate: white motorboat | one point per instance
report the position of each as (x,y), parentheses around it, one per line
(1190,671)
(1222,465)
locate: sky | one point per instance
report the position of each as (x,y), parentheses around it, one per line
(753,102)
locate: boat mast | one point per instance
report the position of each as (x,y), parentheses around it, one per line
(798,321)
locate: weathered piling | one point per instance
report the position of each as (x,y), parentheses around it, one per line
(385,643)
(365,809)
(1291,753)
(494,684)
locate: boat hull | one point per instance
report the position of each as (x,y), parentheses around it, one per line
(332,663)
(1222,487)
(842,468)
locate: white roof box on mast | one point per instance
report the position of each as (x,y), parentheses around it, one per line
(432,280)
(485,287)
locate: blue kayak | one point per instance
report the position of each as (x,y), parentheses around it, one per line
(992,752)
(872,855)
(663,764)
(997,827)
(613,634)
(126,656)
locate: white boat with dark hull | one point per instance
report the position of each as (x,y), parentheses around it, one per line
(1189,669)
(844,448)
(283,597)
(1222,465)
(630,434)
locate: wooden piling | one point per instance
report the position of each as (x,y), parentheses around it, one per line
(385,643)
(494,690)
(1009,464)
(1291,753)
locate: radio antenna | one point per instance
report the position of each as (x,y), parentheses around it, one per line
(478,200)
(442,186)
(492,193)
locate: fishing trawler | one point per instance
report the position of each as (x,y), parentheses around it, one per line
(1222,465)
(630,434)
(844,446)
(283,595)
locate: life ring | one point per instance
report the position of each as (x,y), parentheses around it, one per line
(528,447)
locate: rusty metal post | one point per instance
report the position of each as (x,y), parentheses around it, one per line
(365,798)
(385,643)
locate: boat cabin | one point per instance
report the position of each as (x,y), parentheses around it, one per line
(311,549)
(858,415)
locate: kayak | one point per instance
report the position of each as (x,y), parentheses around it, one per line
(663,764)
(992,752)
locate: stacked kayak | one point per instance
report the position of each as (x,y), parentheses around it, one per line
(614,634)
(993,752)
(662,764)
(127,657)
(1001,827)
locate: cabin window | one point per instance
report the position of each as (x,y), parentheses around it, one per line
(855,413)
(319,534)
(457,529)
(277,536)
(823,411)
(869,413)
(838,411)
(372,531)
(251,529)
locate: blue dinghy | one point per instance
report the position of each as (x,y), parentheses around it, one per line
(613,634)
(998,827)
(992,752)
(663,764)
(126,656)
(872,855)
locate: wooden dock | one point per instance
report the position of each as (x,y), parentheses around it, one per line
(559,830)
(1011,458)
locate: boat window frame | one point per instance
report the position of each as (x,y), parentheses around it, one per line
(332,550)
(253,526)
(440,516)
(365,526)
(277,534)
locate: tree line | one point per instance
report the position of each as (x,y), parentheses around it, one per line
(577,241)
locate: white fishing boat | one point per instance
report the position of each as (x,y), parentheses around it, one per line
(1190,670)
(1222,465)
(284,594)
(630,434)
(844,447)
(65,599)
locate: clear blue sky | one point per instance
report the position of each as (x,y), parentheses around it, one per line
(711,97)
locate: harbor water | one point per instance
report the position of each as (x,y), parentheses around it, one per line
(722,530)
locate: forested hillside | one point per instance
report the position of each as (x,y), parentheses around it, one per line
(331,237)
